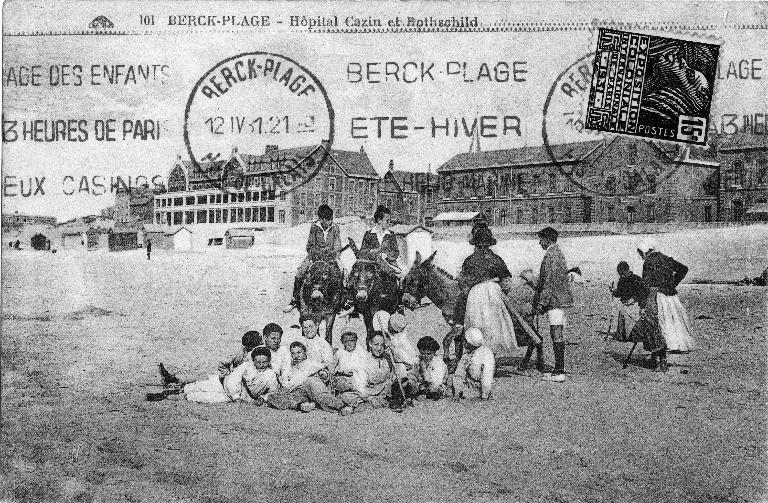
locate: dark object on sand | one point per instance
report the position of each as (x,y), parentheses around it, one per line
(166,376)
(761,280)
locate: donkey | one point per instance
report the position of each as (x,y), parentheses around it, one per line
(322,294)
(370,290)
(425,279)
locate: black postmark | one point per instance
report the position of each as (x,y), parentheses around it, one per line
(270,110)
(652,86)
(602,163)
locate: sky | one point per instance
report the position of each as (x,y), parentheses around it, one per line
(182,55)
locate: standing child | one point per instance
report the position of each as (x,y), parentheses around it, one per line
(350,365)
(629,290)
(427,378)
(476,367)
(553,296)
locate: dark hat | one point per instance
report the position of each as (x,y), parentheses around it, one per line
(482,235)
(427,343)
(251,339)
(548,233)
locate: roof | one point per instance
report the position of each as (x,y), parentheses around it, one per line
(243,231)
(758,208)
(456,216)
(742,141)
(354,163)
(522,156)
(170,231)
(404,230)
(275,160)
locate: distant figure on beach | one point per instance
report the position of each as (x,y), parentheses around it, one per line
(553,296)
(149,248)
(664,274)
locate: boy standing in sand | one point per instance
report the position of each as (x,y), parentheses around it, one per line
(553,296)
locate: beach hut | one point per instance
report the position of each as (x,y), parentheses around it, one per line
(98,238)
(240,237)
(181,238)
(121,241)
(412,239)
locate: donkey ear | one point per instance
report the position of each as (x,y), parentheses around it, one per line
(430,259)
(417,261)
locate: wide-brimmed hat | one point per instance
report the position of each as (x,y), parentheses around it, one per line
(482,235)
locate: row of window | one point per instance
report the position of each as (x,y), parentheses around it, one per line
(219,216)
(221,198)
(478,185)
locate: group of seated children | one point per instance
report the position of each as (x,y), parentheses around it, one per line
(309,374)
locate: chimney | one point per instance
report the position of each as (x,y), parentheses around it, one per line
(391,165)
(362,150)
(270,148)
(234,150)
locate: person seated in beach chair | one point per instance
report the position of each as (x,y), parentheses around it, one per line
(380,244)
(324,243)
(248,382)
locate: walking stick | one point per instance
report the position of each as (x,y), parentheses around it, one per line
(626,362)
(391,358)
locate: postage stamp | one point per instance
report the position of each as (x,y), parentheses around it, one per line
(652,86)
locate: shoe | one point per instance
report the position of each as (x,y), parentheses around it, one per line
(553,377)
(307,406)
(346,410)
(155,397)
(166,376)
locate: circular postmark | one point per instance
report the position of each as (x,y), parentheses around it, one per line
(605,164)
(269,111)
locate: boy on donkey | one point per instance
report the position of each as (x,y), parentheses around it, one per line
(553,296)
(324,244)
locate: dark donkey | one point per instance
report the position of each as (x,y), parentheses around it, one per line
(322,294)
(425,279)
(370,290)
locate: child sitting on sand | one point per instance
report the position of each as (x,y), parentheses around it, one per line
(250,340)
(281,355)
(476,367)
(427,378)
(350,365)
(249,382)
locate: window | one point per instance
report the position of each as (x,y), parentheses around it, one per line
(567,213)
(248,197)
(534,214)
(551,214)
(218,216)
(240,197)
(202,216)
(762,172)
(247,214)
(271,214)
(240,215)
(168,218)
(263,214)
(178,201)
(157,218)
(211,216)
(331,183)
(610,213)
(519,217)
(189,217)
(255,196)
(707,213)
(632,153)
(190,200)
(201,199)
(281,216)
(552,182)
(164,202)
(225,198)
(503,216)
(520,183)
(218,198)
(233,215)
(212,198)
(332,201)
(225,216)
(610,184)
(535,183)
(650,213)
(738,173)
(178,218)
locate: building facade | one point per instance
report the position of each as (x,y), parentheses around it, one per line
(16,220)
(398,190)
(248,190)
(669,184)
(134,204)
